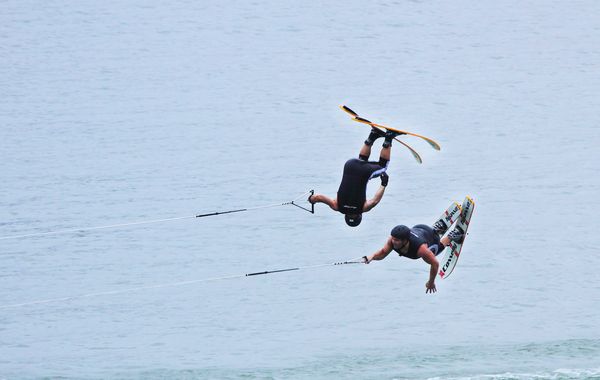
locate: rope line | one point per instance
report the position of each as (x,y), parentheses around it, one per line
(71,230)
(357,260)
(82,229)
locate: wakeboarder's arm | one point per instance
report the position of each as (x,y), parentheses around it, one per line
(320,198)
(428,256)
(376,199)
(381,253)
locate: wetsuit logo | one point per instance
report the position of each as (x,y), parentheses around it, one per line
(434,249)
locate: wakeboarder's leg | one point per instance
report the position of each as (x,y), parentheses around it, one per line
(386,149)
(365,151)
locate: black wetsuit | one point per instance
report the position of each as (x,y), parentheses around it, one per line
(419,235)
(352,194)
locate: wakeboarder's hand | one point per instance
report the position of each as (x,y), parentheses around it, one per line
(384,179)
(430,287)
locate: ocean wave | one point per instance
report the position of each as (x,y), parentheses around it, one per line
(559,374)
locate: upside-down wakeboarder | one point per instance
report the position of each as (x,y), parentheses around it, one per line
(351,197)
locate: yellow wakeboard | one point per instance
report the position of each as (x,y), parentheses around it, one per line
(359,119)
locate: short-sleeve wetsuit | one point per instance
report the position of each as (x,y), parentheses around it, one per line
(352,194)
(419,235)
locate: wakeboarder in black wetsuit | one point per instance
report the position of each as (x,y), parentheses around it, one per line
(351,197)
(419,242)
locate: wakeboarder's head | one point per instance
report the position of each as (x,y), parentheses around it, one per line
(353,220)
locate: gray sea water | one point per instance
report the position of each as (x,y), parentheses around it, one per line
(114,112)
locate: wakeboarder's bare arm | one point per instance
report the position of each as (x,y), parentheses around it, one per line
(428,256)
(320,198)
(369,204)
(381,253)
